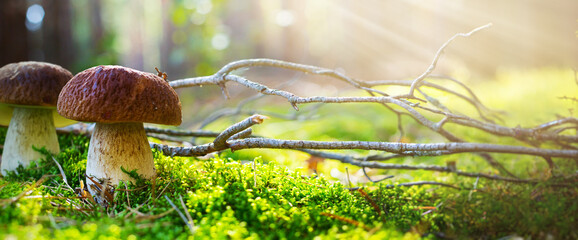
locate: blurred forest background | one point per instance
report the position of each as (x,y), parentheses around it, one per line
(368,40)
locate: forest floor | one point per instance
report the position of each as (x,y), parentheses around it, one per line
(283,194)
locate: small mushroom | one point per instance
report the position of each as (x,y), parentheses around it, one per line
(119,100)
(28,93)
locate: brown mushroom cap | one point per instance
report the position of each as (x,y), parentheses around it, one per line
(113,94)
(32,83)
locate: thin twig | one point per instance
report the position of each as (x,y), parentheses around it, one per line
(421,183)
(181,133)
(417,82)
(127,193)
(347,174)
(375,181)
(347,220)
(242,134)
(192,224)
(220,141)
(546,126)
(62,173)
(181,215)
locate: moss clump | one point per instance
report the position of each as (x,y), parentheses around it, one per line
(224,198)
(501,209)
(230,199)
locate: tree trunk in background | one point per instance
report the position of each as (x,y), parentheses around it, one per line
(96,28)
(166,40)
(133,56)
(57,34)
(13,32)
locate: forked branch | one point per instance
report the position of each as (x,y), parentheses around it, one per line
(426,110)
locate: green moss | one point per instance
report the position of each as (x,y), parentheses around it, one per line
(228,197)
(499,210)
(224,197)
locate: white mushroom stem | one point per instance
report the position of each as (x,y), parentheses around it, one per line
(28,127)
(117,145)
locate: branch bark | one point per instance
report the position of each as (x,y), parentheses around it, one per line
(556,133)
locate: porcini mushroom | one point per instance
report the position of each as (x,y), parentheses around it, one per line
(29,92)
(119,100)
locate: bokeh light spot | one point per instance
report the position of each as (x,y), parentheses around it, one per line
(34,17)
(284,18)
(220,41)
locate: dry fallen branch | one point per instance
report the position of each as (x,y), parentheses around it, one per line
(426,110)
(399,149)
(295,100)
(408,149)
